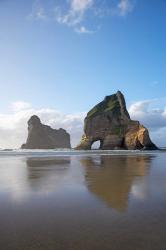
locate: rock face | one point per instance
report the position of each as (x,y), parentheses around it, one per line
(109,122)
(41,136)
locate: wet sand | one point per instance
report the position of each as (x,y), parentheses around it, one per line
(83,201)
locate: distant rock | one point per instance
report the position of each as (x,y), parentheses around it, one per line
(109,122)
(41,136)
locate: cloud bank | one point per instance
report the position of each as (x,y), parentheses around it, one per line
(152,118)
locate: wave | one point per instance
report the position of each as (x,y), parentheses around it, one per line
(71,152)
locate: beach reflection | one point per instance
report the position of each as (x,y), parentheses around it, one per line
(45,174)
(83,202)
(111,178)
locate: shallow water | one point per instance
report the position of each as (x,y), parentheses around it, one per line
(82,200)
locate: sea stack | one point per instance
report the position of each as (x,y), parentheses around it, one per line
(109,122)
(41,136)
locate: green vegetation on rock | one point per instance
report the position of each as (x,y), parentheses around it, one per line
(110,103)
(117,131)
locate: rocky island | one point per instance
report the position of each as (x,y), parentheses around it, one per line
(109,122)
(41,136)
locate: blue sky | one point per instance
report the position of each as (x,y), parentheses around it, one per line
(67,55)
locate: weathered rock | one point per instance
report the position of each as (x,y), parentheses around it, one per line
(109,122)
(41,136)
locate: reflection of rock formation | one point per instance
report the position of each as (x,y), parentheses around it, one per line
(41,136)
(39,161)
(45,173)
(110,177)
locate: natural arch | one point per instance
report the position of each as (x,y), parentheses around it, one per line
(97,144)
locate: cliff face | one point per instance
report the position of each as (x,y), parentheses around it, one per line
(109,122)
(41,136)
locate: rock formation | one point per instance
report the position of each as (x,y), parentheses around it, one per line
(109,122)
(41,136)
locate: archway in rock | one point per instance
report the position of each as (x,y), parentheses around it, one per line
(96,145)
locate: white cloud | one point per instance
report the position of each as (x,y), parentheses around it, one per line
(75,13)
(80,5)
(153,118)
(13,126)
(124,7)
(83,30)
(70,18)
(18,106)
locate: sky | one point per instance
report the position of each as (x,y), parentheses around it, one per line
(60,58)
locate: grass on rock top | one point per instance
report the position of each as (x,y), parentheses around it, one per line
(109,104)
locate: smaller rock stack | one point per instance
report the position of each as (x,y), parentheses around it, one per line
(41,136)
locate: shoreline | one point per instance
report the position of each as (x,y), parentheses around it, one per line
(72,152)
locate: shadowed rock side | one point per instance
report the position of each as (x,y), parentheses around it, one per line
(109,122)
(41,136)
